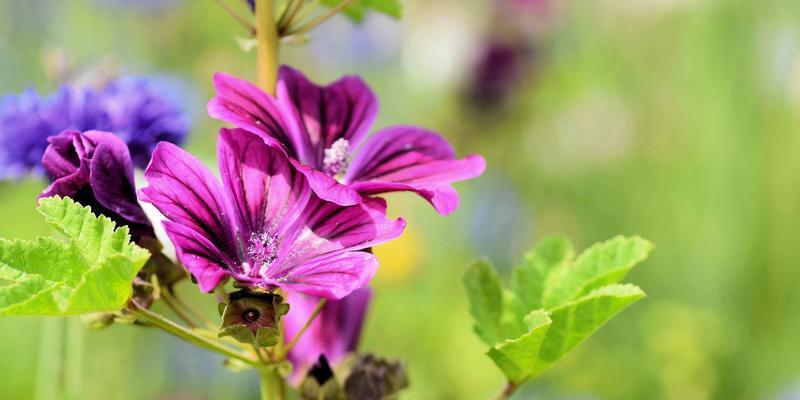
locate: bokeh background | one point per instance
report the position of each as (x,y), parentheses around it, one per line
(673,119)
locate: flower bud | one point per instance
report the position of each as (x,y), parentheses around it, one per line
(253,318)
(320,383)
(373,377)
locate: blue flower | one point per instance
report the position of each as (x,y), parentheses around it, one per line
(132,108)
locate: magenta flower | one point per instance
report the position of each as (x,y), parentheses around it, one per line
(334,333)
(320,128)
(263,226)
(95,169)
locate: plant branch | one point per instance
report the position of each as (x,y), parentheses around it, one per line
(296,337)
(286,19)
(273,387)
(267,38)
(189,336)
(321,18)
(238,17)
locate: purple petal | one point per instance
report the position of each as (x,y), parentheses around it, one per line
(111,177)
(65,160)
(335,331)
(198,255)
(328,188)
(413,159)
(243,104)
(345,109)
(187,193)
(329,233)
(267,192)
(332,277)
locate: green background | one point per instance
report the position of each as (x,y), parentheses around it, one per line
(673,119)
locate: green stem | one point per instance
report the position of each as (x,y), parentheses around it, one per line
(172,303)
(189,336)
(267,38)
(321,18)
(73,371)
(48,368)
(273,387)
(285,23)
(296,337)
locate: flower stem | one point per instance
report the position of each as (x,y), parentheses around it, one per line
(189,336)
(509,390)
(273,386)
(267,38)
(173,305)
(296,337)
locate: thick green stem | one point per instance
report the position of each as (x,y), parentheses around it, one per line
(189,336)
(273,387)
(267,39)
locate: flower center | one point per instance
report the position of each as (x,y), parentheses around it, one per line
(262,250)
(335,162)
(250,315)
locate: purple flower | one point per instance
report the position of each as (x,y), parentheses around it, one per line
(500,69)
(263,226)
(131,108)
(320,128)
(95,169)
(334,333)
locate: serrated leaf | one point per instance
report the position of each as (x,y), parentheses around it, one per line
(516,358)
(602,264)
(358,9)
(485,294)
(96,236)
(90,273)
(529,280)
(575,321)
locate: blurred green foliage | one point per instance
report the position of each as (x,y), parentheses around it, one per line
(674,119)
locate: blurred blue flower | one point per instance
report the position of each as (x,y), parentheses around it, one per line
(135,109)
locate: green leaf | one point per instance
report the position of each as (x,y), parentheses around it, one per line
(517,357)
(530,279)
(92,272)
(485,295)
(602,264)
(574,322)
(357,10)
(554,303)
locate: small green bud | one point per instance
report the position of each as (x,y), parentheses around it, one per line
(373,377)
(253,317)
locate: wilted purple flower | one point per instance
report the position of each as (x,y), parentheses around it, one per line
(321,127)
(95,169)
(132,108)
(263,226)
(499,68)
(334,333)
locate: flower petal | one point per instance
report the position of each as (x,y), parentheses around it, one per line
(332,277)
(328,228)
(328,188)
(267,192)
(198,255)
(414,159)
(345,109)
(243,104)
(187,193)
(111,177)
(334,333)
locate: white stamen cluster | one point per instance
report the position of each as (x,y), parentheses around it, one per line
(335,161)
